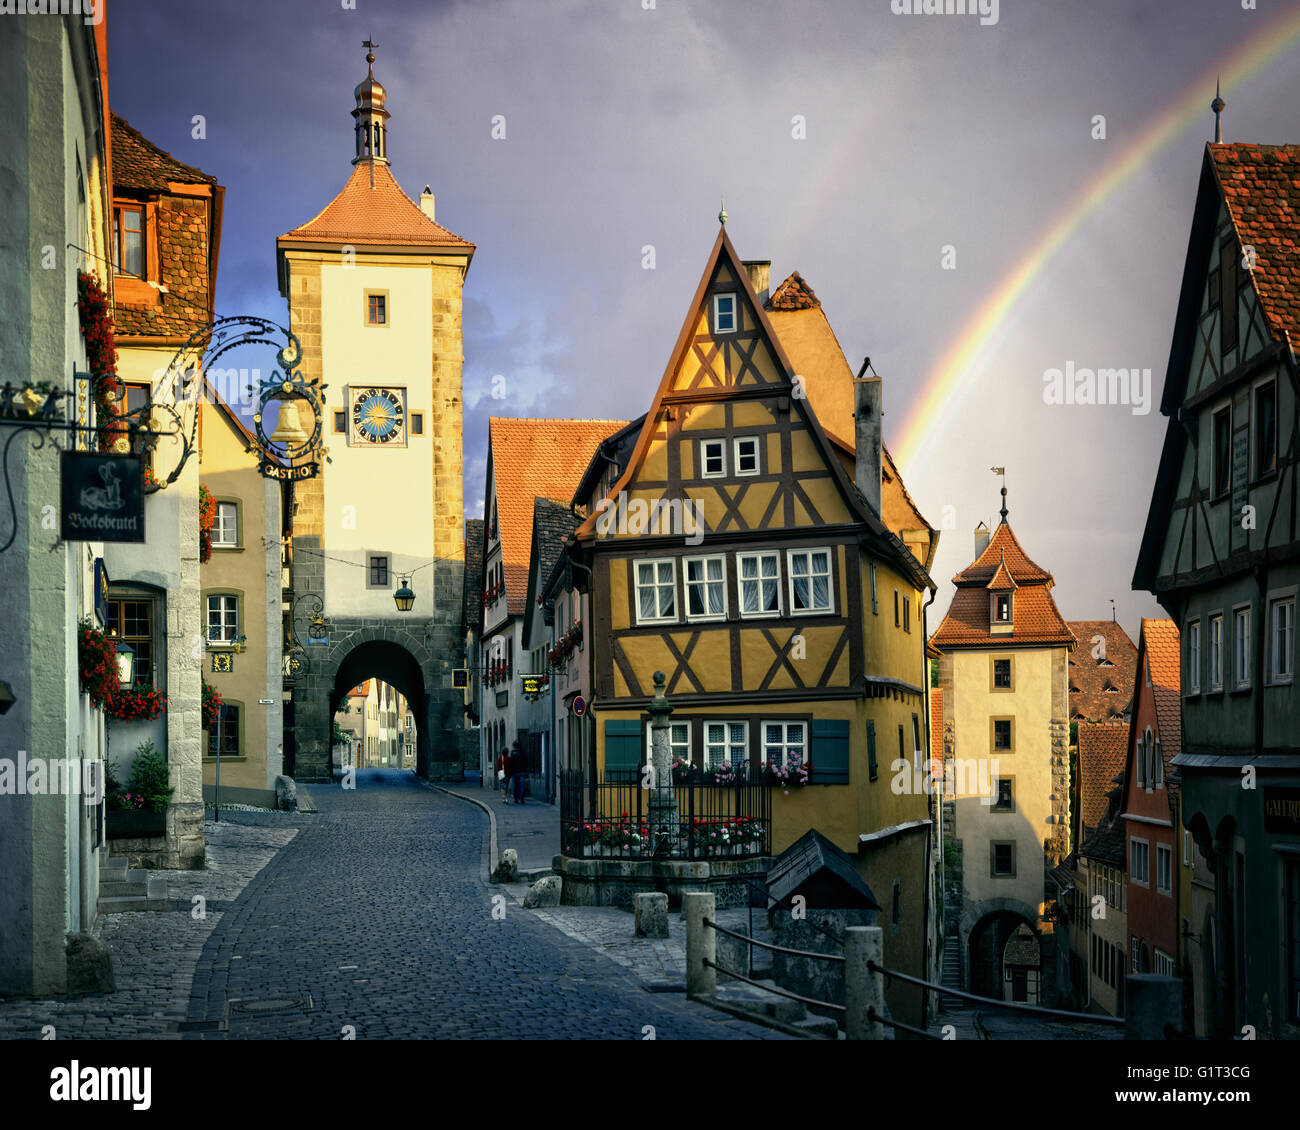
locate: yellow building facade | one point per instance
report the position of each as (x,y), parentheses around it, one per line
(741,552)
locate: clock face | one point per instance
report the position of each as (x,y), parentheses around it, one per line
(378,416)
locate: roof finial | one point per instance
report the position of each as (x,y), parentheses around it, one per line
(722,212)
(1217,106)
(1003,472)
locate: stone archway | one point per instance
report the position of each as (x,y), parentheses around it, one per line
(358,650)
(986,930)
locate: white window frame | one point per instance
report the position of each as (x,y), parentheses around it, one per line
(1161,963)
(1254,427)
(721,445)
(790,555)
(1193,630)
(727,745)
(785,742)
(1133,842)
(687,583)
(1283,599)
(1241,646)
(674,746)
(1158,766)
(735,312)
(1141,762)
(220,526)
(1216,652)
(1166,852)
(657,585)
(232,629)
(741,581)
(758,455)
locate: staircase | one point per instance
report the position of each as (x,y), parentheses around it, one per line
(950,970)
(793,1015)
(135,888)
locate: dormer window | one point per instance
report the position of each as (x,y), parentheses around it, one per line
(724,313)
(128,239)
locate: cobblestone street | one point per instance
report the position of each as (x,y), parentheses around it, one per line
(371,919)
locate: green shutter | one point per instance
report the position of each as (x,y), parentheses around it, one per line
(623,738)
(830,751)
(871,750)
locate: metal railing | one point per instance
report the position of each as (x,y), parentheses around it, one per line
(604,818)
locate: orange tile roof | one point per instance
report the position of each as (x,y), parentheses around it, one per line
(1090,700)
(1001,581)
(1034,616)
(936,730)
(1261,184)
(376,212)
(1103,748)
(536,459)
(1164,651)
(793,294)
(1002,546)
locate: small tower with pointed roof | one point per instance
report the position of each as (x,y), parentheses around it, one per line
(374,287)
(1003,651)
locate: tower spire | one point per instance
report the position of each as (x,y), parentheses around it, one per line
(1003,472)
(371,114)
(1217,106)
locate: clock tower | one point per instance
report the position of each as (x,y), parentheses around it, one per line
(374,285)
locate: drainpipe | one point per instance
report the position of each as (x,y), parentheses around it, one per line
(936,809)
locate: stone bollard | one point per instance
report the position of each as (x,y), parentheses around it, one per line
(864,991)
(701,943)
(650,910)
(1153,1002)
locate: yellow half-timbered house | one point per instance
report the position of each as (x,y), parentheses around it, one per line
(740,551)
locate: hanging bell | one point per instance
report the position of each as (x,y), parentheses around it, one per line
(289,428)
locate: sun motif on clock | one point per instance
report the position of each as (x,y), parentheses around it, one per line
(378,416)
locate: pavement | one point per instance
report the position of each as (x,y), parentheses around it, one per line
(531,828)
(371,919)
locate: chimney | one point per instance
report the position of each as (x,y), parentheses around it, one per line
(981,539)
(426,201)
(760,277)
(867,397)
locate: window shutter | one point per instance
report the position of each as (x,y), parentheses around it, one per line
(830,752)
(872,771)
(622,748)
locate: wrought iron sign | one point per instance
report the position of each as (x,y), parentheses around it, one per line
(294,451)
(103,497)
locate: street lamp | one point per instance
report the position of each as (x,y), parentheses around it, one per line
(125,663)
(404,597)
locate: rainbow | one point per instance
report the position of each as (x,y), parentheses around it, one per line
(949,379)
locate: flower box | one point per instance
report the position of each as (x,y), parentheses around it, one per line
(129,824)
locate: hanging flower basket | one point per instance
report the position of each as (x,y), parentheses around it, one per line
(101,358)
(136,704)
(96,664)
(207,518)
(212,704)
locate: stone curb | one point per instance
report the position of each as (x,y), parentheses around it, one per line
(492,819)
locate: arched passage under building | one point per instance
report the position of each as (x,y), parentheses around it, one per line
(1005,957)
(392,664)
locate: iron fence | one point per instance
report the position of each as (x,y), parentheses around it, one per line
(715,819)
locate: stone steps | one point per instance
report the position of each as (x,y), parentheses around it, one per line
(123,888)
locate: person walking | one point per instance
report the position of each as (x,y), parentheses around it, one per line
(518,776)
(503,774)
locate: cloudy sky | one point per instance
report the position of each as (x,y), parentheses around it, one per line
(908,166)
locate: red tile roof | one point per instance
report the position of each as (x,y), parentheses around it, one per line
(536,459)
(139,163)
(374,211)
(1002,546)
(1115,666)
(1001,581)
(793,294)
(1163,657)
(936,731)
(1261,184)
(1103,748)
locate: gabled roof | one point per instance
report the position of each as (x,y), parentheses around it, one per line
(823,873)
(793,294)
(1002,548)
(1261,186)
(1103,747)
(373,209)
(139,163)
(1001,581)
(1089,677)
(530,459)
(473,590)
(1161,644)
(553,523)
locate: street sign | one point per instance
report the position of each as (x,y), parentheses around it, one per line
(579,706)
(102,496)
(532,684)
(459,678)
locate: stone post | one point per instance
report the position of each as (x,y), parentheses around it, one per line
(1153,1002)
(864,990)
(701,943)
(665,827)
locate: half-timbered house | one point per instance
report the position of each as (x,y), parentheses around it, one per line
(741,553)
(1221,553)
